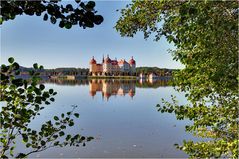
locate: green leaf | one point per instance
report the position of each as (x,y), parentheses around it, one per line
(25,137)
(51,91)
(47,103)
(61,133)
(46,94)
(18,82)
(43,143)
(55,136)
(91,4)
(56,118)
(1,20)
(28,145)
(62,126)
(53,20)
(68,137)
(45,17)
(21,155)
(78,1)
(68,25)
(76,115)
(15,66)
(35,66)
(61,24)
(56,143)
(41,67)
(71,123)
(42,87)
(52,99)
(11,60)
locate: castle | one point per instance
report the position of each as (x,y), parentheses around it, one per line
(110,67)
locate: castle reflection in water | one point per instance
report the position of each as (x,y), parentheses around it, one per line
(112,87)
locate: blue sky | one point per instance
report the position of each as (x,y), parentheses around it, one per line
(29,39)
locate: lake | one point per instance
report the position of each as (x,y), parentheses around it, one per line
(121,115)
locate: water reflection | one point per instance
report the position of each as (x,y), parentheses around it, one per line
(151,83)
(67,82)
(121,127)
(110,88)
(113,87)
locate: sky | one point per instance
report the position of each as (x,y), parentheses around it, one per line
(30,40)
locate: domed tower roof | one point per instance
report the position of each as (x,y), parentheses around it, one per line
(93,61)
(107,60)
(132,61)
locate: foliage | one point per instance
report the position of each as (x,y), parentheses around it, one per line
(69,71)
(83,15)
(22,101)
(205,34)
(160,71)
(57,71)
(219,123)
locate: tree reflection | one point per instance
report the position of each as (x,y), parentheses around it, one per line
(113,87)
(22,101)
(59,81)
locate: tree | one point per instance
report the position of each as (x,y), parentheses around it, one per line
(205,34)
(83,15)
(24,101)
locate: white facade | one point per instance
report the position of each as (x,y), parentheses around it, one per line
(112,67)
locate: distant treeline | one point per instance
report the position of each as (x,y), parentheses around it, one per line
(156,70)
(69,71)
(57,71)
(85,71)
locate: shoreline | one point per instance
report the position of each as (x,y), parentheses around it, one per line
(112,77)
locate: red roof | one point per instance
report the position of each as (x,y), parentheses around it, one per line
(92,61)
(114,62)
(122,61)
(132,61)
(107,60)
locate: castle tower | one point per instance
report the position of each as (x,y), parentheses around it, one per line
(132,65)
(93,66)
(107,66)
